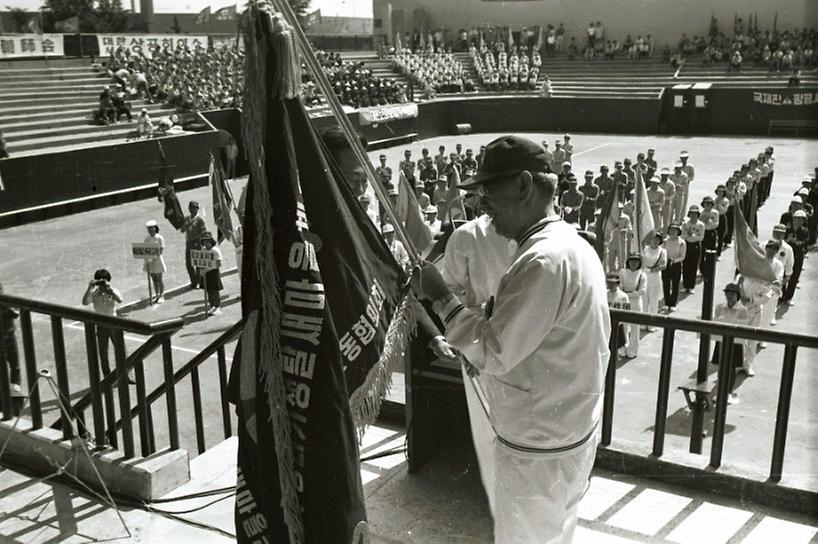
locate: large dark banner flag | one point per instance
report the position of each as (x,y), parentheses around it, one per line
(167,194)
(324,312)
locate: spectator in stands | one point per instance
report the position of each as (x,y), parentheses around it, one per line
(144,126)
(735,61)
(231,153)
(106,113)
(121,107)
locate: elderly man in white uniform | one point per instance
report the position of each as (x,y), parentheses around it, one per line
(542,352)
(475,260)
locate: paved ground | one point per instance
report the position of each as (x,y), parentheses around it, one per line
(441,504)
(53,260)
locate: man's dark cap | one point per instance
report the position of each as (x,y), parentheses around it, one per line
(193,203)
(506,156)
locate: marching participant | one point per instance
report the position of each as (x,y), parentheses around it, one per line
(797,236)
(676,251)
(689,171)
(722,205)
(634,283)
(654,259)
(656,200)
(680,181)
(693,234)
(732,311)
(710,218)
(669,206)
(544,378)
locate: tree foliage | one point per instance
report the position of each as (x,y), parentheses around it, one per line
(105,16)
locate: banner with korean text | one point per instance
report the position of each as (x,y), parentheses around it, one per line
(31,45)
(144,43)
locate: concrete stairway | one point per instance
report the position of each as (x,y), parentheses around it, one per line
(50,106)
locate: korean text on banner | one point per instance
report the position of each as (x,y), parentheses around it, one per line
(31,45)
(203,259)
(145,250)
(384,114)
(138,43)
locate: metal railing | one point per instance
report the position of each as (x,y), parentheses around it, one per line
(729,333)
(100,397)
(191,368)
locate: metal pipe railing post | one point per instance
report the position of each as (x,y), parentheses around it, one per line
(723,393)
(228,432)
(123,393)
(5,380)
(782,416)
(142,409)
(35,406)
(697,424)
(170,393)
(62,374)
(663,391)
(610,385)
(197,409)
(93,381)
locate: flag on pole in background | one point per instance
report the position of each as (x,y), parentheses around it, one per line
(314,17)
(324,311)
(203,17)
(222,201)
(411,215)
(642,217)
(225,14)
(608,220)
(167,194)
(751,260)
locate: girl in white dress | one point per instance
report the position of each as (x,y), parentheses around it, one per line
(634,283)
(156,266)
(654,260)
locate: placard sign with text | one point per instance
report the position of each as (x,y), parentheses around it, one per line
(204,259)
(145,250)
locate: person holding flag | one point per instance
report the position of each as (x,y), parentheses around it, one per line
(550,319)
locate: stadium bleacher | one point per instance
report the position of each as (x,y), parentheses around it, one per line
(49,108)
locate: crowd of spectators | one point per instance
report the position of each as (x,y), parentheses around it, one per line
(354,84)
(500,70)
(433,71)
(187,79)
(776,50)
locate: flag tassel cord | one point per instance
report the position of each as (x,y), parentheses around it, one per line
(324,86)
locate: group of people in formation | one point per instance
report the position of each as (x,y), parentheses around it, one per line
(688,237)
(498,69)
(433,71)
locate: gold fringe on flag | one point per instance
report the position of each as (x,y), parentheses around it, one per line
(257,23)
(366,401)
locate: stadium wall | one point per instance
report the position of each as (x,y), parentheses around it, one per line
(665,20)
(98,176)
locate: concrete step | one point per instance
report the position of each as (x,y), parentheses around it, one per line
(25,116)
(35,85)
(82,126)
(212,470)
(11,95)
(12,72)
(33,101)
(119,131)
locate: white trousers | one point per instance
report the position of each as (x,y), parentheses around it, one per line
(537,493)
(483,437)
(632,349)
(653,293)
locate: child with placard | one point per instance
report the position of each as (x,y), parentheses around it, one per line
(213,277)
